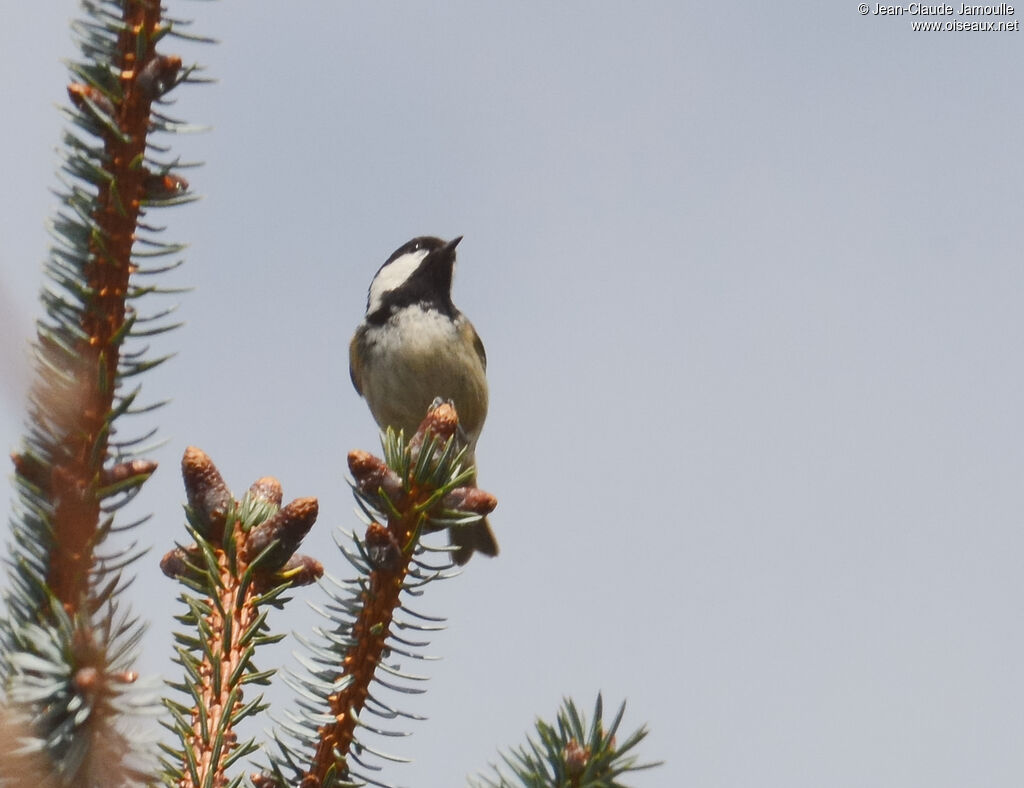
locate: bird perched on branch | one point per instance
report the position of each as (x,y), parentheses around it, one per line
(415,346)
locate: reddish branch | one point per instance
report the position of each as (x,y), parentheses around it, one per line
(389,549)
(251,558)
(221,694)
(369,633)
(76,476)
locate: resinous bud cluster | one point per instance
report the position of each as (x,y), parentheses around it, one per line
(264,533)
(375,480)
(112,107)
(152,81)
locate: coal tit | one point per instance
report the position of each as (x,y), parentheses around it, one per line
(414,346)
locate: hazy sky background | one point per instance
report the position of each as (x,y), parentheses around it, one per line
(750,282)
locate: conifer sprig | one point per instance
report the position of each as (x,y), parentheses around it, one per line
(67,642)
(240,564)
(572,753)
(418,488)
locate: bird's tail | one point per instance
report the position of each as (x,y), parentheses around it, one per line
(469,539)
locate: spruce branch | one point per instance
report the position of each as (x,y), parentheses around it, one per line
(571,753)
(65,470)
(117,109)
(241,563)
(418,488)
(21,768)
(67,641)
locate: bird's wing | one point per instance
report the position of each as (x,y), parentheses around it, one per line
(478,344)
(355,367)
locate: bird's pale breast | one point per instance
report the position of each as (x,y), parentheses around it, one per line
(417,356)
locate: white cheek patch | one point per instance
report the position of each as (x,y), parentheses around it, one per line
(392,276)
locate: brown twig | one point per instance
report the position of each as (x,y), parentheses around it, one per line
(370,633)
(390,550)
(251,557)
(80,411)
(213,736)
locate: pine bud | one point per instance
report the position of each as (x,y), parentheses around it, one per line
(87,680)
(208,496)
(301,570)
(265,780)
(382,548)
(576,758)
(180,562)
(287,527)
(442,421)
(164,187)
(78,93)
(127,470)
(32,470)
(158,75)
(471,500)
(267,490)
(372,475)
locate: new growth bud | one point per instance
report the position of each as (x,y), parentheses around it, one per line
(267,490)
(471,500)
(209,498)
(442,421)
(576,758)
(164,187)
(81,96)
(181,562)
(32,470)
(373,476)
(127,470)
(301,570)
(382,548)
(158,75)
(265,780)
(287,527)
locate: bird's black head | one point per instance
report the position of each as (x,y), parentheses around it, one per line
(418,272)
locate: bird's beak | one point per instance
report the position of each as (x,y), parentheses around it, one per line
(442,260)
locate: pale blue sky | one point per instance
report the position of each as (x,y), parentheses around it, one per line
(750,282)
